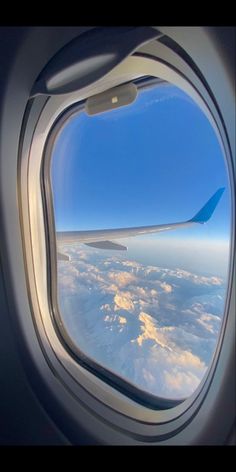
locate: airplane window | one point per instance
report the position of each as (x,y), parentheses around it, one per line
(141,293)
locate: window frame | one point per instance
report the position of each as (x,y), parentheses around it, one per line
(125,387)
(169,422)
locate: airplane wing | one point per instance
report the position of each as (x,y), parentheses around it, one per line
(101,238)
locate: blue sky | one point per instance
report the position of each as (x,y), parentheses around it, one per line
(155,161)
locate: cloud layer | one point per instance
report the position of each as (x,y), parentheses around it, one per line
(155,327)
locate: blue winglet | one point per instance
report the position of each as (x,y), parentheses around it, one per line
(207,210)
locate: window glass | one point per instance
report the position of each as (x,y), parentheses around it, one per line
(150,314)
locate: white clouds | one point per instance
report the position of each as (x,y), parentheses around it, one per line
(67,284)
(156,327)
(180,372)
(186,359)
(108,318)
(132,264)
(140,291)
(122,278)
(216,281)
(193,278)
(110,288)
(181,382)
(166,287)
(207,326)
(106,307)
(149,331)
(210,322)
(148,377)
(123,302)
(153,293)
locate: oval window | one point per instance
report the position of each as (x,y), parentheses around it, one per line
(145,307)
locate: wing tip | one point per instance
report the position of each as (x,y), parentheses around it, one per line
(205,213)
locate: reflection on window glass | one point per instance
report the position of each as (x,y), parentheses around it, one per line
(151,314)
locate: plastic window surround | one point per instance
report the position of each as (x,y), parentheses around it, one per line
(134,392)
(79,380)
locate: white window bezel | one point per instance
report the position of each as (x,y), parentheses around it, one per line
(168,421)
